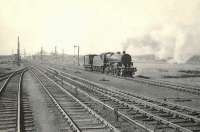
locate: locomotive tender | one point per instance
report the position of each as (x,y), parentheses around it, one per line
(111,63)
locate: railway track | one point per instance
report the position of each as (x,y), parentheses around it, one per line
(170,85)
(5,76)
(79,117)
(152,99)
(15,110)
(169,115)
(162,84)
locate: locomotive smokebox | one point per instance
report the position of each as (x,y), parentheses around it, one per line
(126,59)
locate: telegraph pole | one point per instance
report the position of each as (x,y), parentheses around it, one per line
(13,57)
(78,56)
(56,53)
(18,52)
(41,55)
(24,53)
(74,55)
(55,50)
(63,55)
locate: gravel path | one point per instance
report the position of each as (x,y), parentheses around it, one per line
(44,119)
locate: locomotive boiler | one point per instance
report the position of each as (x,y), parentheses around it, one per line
(111,63)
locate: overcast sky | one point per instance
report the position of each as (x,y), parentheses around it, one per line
(95,25)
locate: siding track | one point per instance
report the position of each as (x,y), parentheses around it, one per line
(15,110)
(153,113)
(79,117)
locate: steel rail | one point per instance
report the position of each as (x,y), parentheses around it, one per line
(85,106)
(20,126)
(139,100)
(18,111)
(197,88)
(190,117)
(6,74)
(107,106)
(66,116)
(180,84)
(131,95)
(195,91)
(119,91)
(180,87)
(3,78)
(6,82)
(8,79)
(147,113)
(142,111)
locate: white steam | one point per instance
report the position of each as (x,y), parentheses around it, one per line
(171,42)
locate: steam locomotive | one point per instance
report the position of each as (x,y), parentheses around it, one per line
(111,63)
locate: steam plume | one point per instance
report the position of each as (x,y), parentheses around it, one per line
(169,41)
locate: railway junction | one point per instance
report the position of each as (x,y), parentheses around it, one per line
(49,97)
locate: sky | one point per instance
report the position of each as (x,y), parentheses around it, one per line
(165,28)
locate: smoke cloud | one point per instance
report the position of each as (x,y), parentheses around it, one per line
(170,42)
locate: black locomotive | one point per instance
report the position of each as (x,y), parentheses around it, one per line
(111,63)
